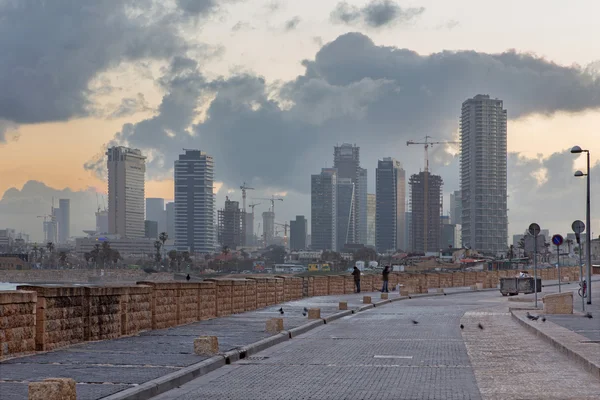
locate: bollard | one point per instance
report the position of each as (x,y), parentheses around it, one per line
(314,313)
(366,299)
(384,296)
(274,325)
(53,389)
(343,305)
(206,345)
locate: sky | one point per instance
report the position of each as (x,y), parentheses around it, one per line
(269,87)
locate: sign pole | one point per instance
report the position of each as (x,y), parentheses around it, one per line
(534,230)
(579,227)
(558,265)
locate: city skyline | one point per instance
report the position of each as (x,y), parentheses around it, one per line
(290,106)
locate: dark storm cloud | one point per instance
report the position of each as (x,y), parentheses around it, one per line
(197,7)
(353,91)
(52,50)
(375,14)
(292,24)
(130,106)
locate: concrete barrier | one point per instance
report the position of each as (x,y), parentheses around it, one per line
(17,322)
(53,389)
(274,325)
(206,345)
(343,305)
(314,313)
(384,296)
(558,303)
(366,299)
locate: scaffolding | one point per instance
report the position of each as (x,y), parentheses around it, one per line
(426,226)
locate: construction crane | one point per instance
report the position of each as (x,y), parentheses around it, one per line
(253,205)
(285,231)
(244,188)
(426,144)
(273,199)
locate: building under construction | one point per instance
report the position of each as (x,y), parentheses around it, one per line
(426,201)
(268,227)
(231,225)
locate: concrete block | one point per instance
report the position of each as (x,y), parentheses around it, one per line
(274,325)
(404,292)
(558,303)
(479,285)
(384,296)
(366,299)
(53,389)
(314,313)
(343,305)
(206,345)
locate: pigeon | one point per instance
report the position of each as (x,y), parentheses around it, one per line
(415,322)
(305,309)
(187,278)
(480,326)
(462,326)
(281,311)
(589,315)
(532,317)
(304,314)
(543,319)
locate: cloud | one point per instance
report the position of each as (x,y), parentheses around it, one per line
(52,50)
(130,106)
(292,24)
(352,91)
(242,26)
(376,14)
(19,208)
(8,131)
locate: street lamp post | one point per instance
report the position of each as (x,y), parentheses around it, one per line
(588,236)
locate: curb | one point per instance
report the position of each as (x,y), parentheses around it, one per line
(588,365)
(300,330)
(263,344)
(338,315)
(165,383)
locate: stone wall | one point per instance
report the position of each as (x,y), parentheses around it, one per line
(251,295)
(188,303)
(83,276)
(102,312)
(164,303)
(136,310)
(17,322)
(207,303)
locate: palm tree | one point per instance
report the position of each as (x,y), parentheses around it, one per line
(173,256)
(35,252)
(62,257)
(163,238)
(50,247)
(157,246)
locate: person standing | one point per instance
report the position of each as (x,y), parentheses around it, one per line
(385,278)
(356,274)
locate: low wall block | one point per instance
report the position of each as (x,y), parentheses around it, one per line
(366,299)
(314,313)
(17,322)
(343,305)
(274,325)
(558,303)
(53,389)
(206,345)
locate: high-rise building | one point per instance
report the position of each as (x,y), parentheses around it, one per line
(483,174)
(345,212)
(155,211)
(426,194)
(456,207)
(391,196)
(298,233)
(194,202)
(102,221)
(346,159)
(229,231)
(170,219)
(408,232)
(323,218)
(268,227)
(126,174)
(249,227)
(151,229)
(371,215)
(64,220)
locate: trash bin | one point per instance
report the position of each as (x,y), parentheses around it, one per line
(526,285)
(509,286)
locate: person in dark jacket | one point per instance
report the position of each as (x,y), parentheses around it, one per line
(356,274)
(385,278)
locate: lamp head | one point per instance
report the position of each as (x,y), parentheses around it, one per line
(579,174)
(576,150)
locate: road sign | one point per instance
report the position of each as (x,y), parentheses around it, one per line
(534,229)
(557,240)
(578,226)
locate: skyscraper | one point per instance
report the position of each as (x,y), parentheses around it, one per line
(170,219)
(346,159)
(229,231)
(298,233)
(426,191)
(155,211)
(345,212)
(371,215)
(483,174)
(456,207)
(64,220)
(390,217)
(126,174)
(194,202)
(323,218)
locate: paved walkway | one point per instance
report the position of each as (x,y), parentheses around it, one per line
(107,367)
(382,354)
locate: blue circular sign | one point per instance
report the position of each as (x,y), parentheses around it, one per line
(557,240)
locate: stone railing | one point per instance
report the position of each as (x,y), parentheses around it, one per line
(42,318)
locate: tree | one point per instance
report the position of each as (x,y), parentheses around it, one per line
(225,250)
(163,239)
(115,256)
(62,258)
(173,256)
(157,246)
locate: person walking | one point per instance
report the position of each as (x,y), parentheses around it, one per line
(385,278)
(356,274)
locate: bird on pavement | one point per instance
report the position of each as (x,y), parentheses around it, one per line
(305,309)
(187,278)
(304,314)
(480,326)
(589,315)
(462,326)
(281,311)
(415,322)
(532,317)
(543,319)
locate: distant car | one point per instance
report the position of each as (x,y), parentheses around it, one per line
(246,272)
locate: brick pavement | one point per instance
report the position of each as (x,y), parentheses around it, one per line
(106,367)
